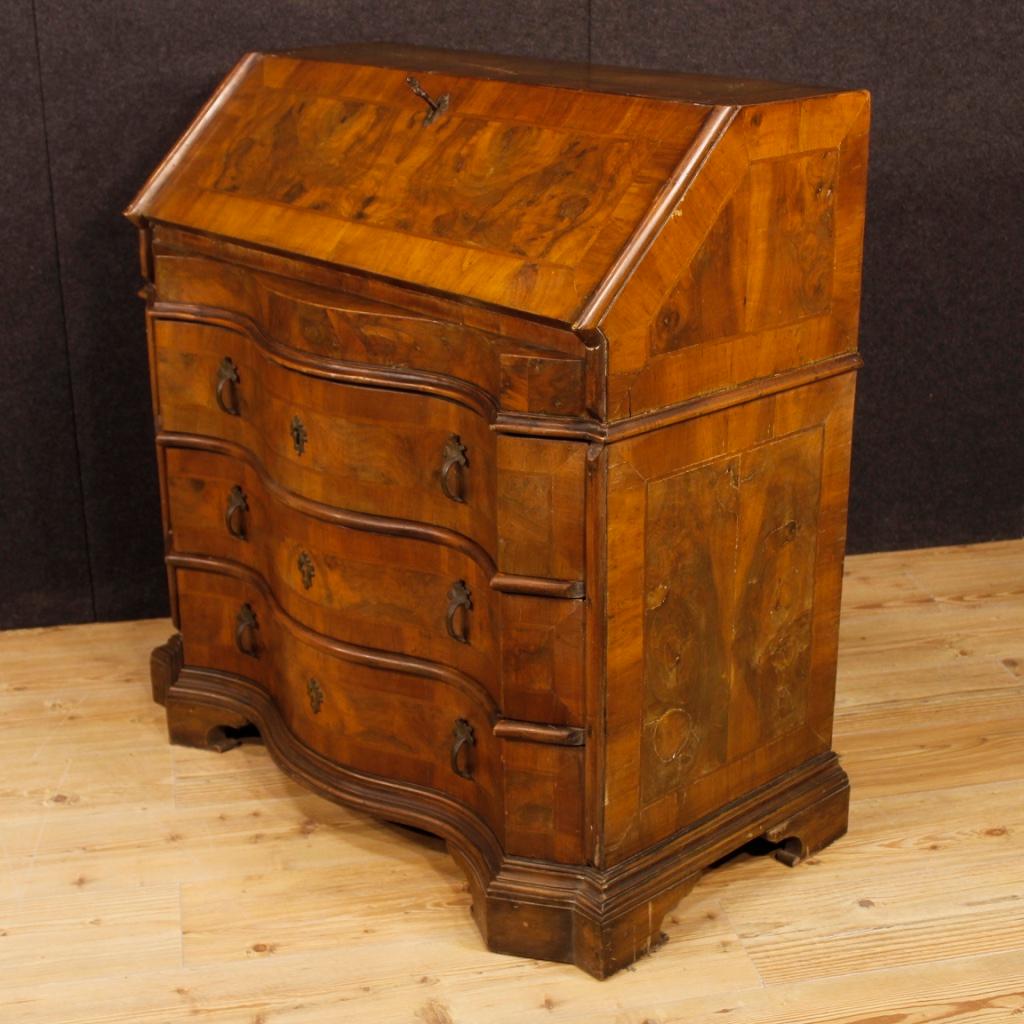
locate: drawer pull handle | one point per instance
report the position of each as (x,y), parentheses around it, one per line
(462,737)
(299,435)
(316,695)
(459,597)
(453,468)
(234,517)
(247,631)
(307,570)
(227,387)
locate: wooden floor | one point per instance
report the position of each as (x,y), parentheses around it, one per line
(144,883)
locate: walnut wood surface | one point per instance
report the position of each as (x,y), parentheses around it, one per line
(723,611)
(504,458)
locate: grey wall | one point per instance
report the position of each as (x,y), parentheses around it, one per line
(96,93)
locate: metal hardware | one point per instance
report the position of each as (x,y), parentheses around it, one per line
(459,597)
(234,518)
(462,736)
(227,387)
(438,106)
(247,631)
(316,695)
(454,465)
(299,435)
(307,570)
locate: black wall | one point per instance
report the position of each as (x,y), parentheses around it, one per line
(96,92)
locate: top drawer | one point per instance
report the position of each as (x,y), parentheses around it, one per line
(521,367)
(391,453)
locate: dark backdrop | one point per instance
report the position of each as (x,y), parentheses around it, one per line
(96,92)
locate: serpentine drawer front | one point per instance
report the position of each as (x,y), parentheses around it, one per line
(503,424)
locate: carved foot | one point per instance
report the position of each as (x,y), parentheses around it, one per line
(165,666)
(516,919)
(812,827)
(205,726)
(603,921)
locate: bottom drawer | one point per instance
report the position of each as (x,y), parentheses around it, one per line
(433,732)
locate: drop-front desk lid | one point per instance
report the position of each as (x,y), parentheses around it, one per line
(521,184)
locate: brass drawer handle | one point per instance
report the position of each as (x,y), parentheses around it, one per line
(453,469)
(234,517)
(459,597)
(247,631)
(227,387)
(462,738)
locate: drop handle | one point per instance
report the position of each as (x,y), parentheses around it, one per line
(459,600)
(454,462)
(463,739)
(247,631)
(227,387)
(234,516)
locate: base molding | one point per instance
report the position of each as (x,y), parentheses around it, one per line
(599,919)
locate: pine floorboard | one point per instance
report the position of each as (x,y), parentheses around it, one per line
(143,883)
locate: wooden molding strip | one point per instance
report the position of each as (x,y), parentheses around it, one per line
(566,429)
(538,586)
(619,430)
(647,231)
(534,732)
(439,385)
(679,859)
(483,404)
(371,656)
(751,391)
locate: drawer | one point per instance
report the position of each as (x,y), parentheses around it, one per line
(362,587)
(431,732)
(398,454)
(542,373)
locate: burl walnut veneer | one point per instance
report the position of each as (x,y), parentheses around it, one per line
(503,416)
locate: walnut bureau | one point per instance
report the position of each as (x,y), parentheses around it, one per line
(503,418)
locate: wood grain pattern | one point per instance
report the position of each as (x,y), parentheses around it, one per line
(540,507)
(598,159)
(759,272)
(721,623)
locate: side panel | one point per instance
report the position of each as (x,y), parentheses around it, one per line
(758,270)
(725,551)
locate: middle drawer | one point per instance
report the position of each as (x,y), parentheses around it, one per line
(405,455)
(373,589)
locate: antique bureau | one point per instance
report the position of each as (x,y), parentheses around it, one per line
(503,414)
